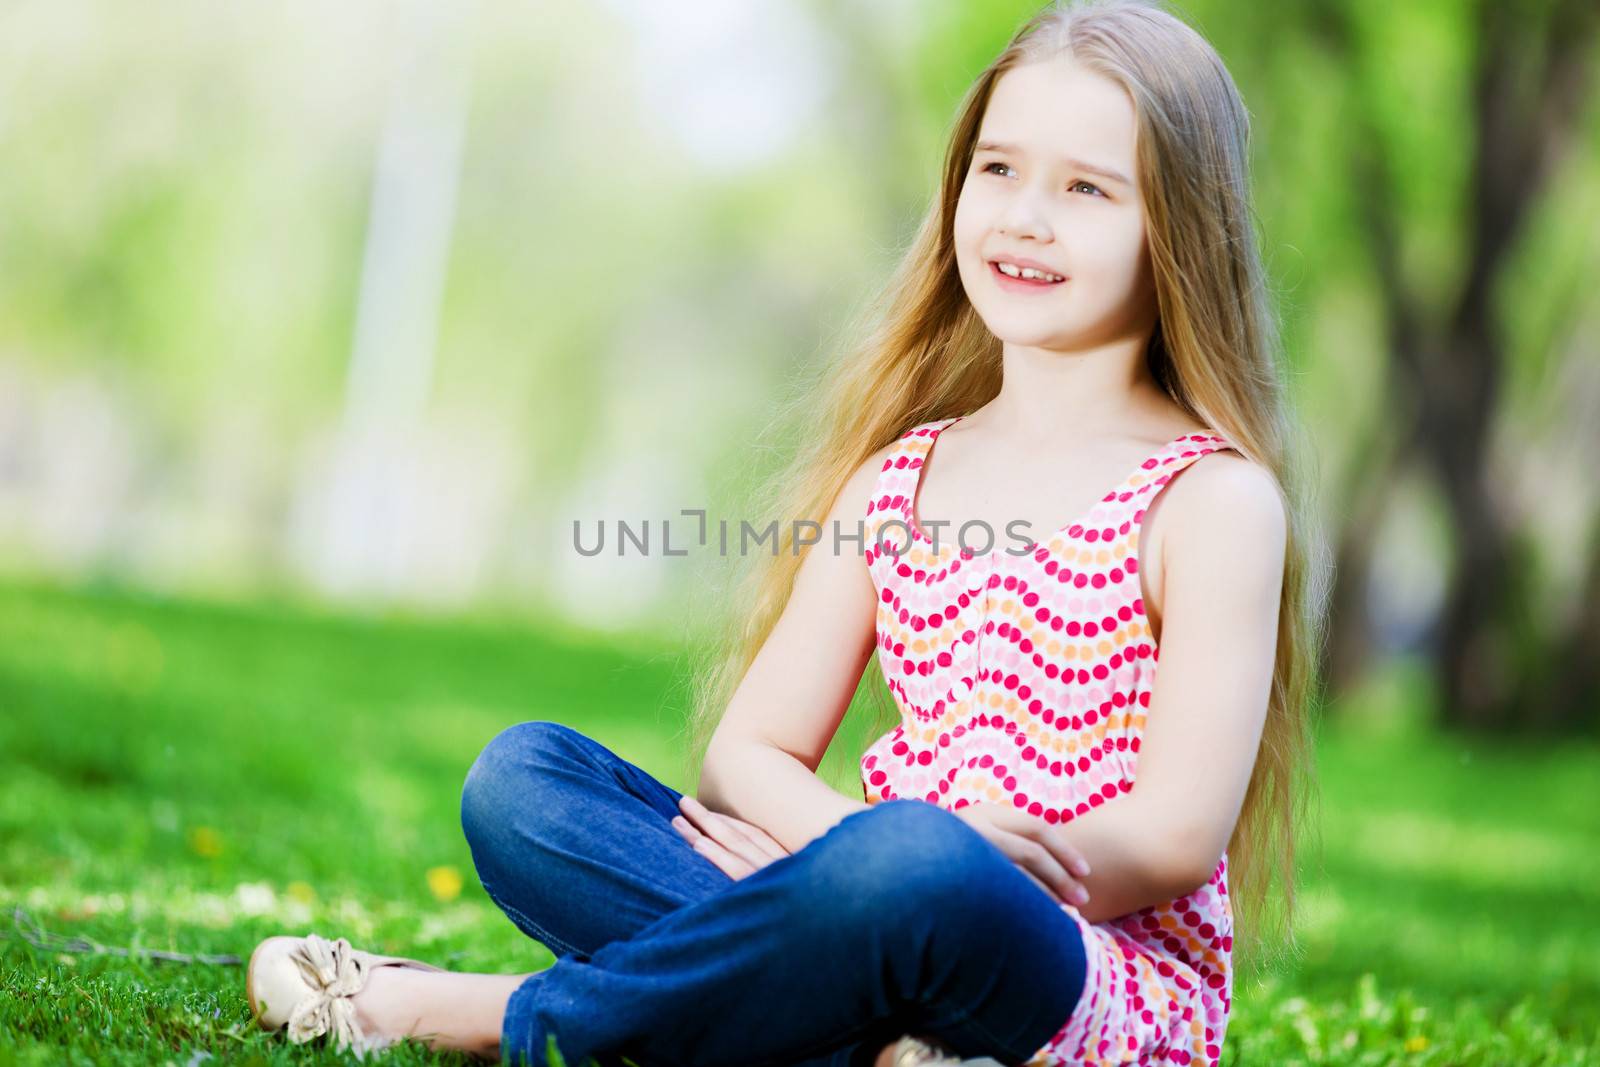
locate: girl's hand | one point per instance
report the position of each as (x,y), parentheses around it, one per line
(737,847)
(1032,845)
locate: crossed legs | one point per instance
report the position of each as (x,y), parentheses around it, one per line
(900,919)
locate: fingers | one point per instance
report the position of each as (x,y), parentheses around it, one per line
(721,829)
(1042,865)
(1036,830)
(1063,855)
(730,864)
(1050,892)
(1066,853)
(768,844)
(725,827)
(731,843)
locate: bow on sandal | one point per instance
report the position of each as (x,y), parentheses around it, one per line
(304,985)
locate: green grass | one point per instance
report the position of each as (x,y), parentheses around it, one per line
(166,781)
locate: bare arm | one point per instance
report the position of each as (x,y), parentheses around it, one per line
(1224,572)
(761,763)
(773,790)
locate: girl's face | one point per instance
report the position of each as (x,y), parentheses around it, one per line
(1052,183)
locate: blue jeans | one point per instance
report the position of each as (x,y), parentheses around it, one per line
(900,919)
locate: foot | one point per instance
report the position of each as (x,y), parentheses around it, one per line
(444,1011)
(307,987)
(382,1006)
(913,1051)
(311,986)
(371,1005)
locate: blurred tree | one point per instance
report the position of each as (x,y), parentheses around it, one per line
(1531,74)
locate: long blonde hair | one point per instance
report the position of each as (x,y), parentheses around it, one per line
(925,354)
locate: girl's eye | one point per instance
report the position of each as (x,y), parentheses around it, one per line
(988,168)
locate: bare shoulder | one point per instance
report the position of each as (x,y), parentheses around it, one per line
(1225,493)
(1227,517)
(1224,483)
(1223,508)
(857,490)
(873,464)
(847,515)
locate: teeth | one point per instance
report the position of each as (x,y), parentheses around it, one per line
(1028,272)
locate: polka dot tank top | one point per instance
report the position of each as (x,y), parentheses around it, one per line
(1023,677)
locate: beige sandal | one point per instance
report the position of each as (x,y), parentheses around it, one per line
(304,985)
(913,1051)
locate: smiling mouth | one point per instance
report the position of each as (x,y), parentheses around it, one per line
(1006,281)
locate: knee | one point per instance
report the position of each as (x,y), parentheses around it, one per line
(904,855)
(506,773)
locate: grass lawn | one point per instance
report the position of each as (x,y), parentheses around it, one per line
(188,777)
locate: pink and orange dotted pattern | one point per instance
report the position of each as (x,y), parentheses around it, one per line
(1023,677)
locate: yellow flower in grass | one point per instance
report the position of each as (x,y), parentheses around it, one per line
(205,842)
(1416,1043)
(445,882)
(301,891)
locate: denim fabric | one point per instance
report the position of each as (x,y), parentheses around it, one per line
(900,919)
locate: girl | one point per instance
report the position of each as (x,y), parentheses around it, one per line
(1081,319)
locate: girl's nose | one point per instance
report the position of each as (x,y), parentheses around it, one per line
(1022,217)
